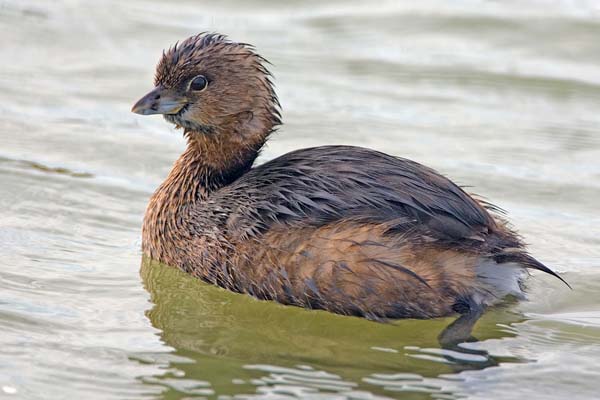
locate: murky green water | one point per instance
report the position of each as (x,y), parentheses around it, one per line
(502,96)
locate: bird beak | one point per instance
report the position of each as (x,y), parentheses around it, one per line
(159,101)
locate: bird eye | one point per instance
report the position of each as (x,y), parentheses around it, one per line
(199,83)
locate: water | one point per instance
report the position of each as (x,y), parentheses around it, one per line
(502,96)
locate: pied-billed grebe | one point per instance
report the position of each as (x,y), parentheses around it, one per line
(345,229)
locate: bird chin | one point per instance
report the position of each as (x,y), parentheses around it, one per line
(180,122)
(176,120)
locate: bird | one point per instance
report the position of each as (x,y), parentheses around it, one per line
(344,229)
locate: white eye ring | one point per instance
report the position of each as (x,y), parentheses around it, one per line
(199,83)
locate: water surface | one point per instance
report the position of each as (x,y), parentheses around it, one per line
(501,96)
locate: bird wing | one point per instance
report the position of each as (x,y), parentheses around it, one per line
(325,184)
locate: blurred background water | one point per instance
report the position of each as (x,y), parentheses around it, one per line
(501,96)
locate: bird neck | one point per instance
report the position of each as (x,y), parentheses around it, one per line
(218,155)
(215,161)
(211,160)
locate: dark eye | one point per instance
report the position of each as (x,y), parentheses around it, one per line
(199,83)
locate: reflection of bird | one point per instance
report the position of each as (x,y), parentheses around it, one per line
(340,228)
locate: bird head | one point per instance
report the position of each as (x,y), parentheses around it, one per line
(209,85)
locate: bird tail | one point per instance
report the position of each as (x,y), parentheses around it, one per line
(529,262)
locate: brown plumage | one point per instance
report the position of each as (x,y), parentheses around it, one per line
(340,228)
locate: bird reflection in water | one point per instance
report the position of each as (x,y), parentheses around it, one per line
(238,344)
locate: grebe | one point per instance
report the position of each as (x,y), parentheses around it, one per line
(340,228)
